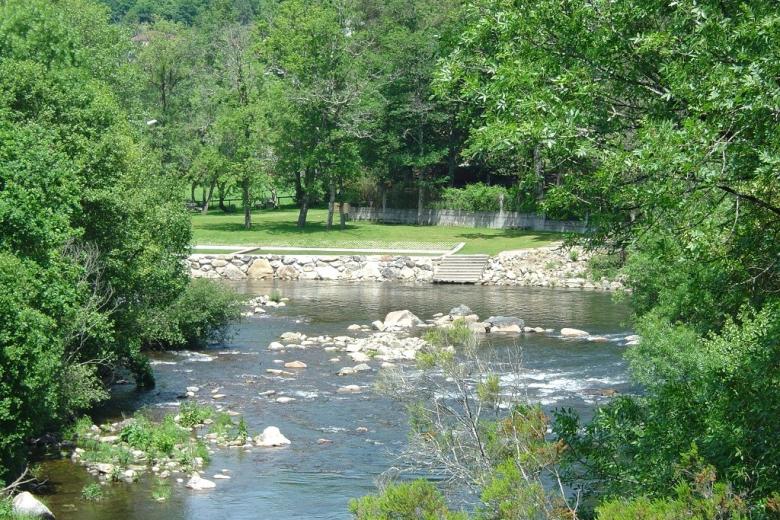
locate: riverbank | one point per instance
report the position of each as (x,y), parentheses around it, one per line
(537,267)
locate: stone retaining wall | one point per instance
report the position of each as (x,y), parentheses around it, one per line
(541,267)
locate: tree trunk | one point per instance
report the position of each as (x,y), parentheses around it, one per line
(221,191)
(420,199)
(246,201)
(203,197)
(342,215)
(331,204)
(303,185)
(192,192)
(303,211)
(298,189)
(205,208)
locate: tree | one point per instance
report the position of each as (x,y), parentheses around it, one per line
(91,232)
(416,132)
(662,126)
(313,50)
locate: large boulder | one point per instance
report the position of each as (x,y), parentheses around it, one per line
(378,325)
(287,272)
(326,272)
(271,437)
(26,504)
(231,272)
(260,269)
(370,271)
(401,320)
(573,333)
(505,324)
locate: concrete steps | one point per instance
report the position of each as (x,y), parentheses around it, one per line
(460,269)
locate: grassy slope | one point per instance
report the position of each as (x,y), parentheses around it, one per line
(277,228)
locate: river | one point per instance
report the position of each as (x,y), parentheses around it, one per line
(313,480)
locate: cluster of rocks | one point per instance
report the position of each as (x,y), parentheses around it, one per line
(271,437)
(386,345)
(545,267)
(259,304)
(493,324)
(309,267)
(141,461)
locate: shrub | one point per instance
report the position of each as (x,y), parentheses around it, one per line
(92,492)
(604,266)
(418,500)
(474,197)
(458,334)
(192,414)
(154,438)
(200,314)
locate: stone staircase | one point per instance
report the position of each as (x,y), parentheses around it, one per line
(460,269)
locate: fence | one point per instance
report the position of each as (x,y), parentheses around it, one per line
(452,217)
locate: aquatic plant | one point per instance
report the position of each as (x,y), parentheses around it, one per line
(92,492)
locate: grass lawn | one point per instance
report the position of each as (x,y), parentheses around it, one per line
(277,228)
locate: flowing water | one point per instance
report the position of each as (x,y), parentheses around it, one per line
(313,480)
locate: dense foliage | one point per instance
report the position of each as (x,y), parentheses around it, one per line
(660,122)
(91,232)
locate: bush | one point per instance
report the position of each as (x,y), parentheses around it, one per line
(202,313)
(604,266)
(192,414)
(458,334)
(152,438)
(92,492)
(418,500)
(475,197)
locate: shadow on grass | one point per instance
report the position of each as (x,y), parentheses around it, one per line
(272,228)
(531,236)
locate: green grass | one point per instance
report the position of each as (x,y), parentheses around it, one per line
(277,228)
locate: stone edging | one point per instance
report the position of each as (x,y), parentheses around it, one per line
(540,267)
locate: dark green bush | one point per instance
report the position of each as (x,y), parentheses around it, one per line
(418,500)
(200,314)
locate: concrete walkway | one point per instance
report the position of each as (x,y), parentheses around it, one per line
(243,250)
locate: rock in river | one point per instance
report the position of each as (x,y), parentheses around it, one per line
(573,333)
(197,483)
(26,504)
(271,437)
(505,324)
(295,364)
(402,320)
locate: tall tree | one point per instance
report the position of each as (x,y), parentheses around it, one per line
(313,51)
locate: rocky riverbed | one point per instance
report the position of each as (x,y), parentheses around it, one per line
(305,371)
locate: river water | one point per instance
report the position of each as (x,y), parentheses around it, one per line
(313,480)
